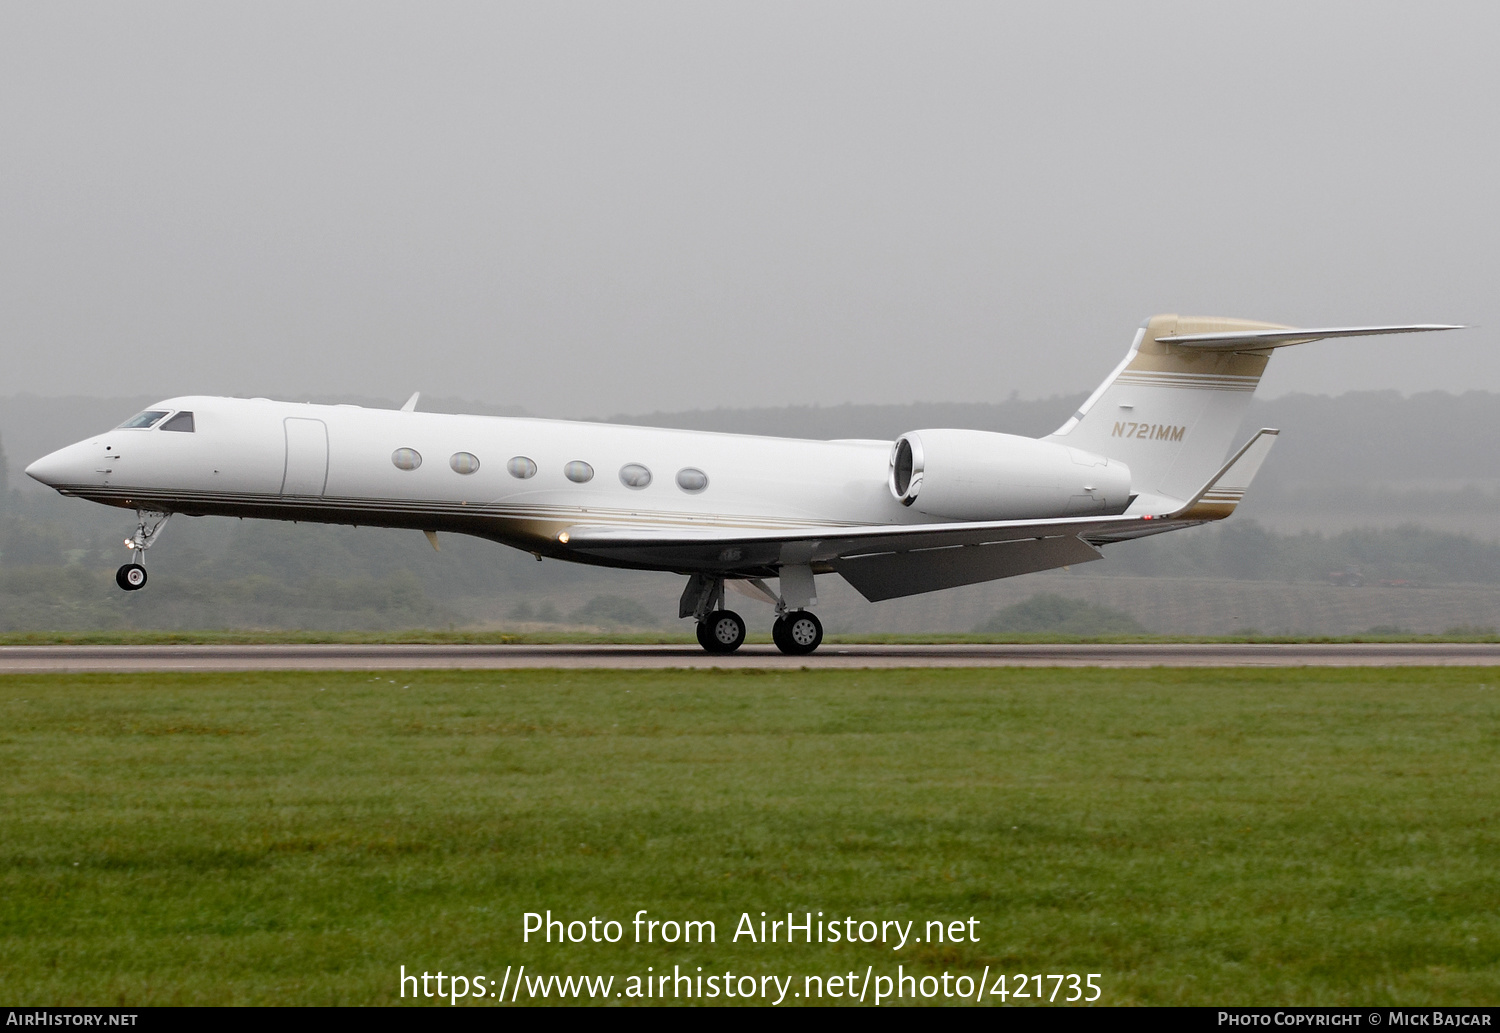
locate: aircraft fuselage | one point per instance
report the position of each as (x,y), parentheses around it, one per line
(505,479)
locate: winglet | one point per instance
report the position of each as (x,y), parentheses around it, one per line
(411,403)
(1217,499)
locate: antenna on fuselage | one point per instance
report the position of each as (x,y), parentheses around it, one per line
(411,403)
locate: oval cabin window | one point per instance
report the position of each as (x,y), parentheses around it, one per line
(406,458)
(521,467)
(578,472)
(634,475)
(464,462)
(691,480)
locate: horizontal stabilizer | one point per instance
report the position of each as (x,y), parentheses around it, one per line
(1233,340)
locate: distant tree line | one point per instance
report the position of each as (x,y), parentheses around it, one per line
(1245,550)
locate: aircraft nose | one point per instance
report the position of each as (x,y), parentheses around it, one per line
(65,466)
(46,469)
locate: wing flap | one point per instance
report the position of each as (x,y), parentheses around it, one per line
(894,575)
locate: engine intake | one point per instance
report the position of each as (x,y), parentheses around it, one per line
(978,475)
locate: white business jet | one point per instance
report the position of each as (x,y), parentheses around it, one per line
(1147,453)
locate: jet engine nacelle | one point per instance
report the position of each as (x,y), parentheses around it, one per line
(977,475)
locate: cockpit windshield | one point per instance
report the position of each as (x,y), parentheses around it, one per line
(142,420)
(183,421)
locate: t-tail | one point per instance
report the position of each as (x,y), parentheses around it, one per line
(1171,409)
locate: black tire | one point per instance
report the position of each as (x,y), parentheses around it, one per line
(723,631)
(702,629)
(131,577)
(798,634)
(778,635)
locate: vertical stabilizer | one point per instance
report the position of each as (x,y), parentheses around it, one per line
(1170,411)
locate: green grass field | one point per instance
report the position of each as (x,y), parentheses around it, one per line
(1323,836)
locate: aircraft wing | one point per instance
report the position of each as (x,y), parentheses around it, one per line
(734,549)
(888,561)
(881,561)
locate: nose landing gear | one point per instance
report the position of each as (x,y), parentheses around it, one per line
(149,522)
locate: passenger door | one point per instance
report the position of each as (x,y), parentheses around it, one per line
(306,457)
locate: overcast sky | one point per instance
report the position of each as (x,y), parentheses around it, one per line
(621,207)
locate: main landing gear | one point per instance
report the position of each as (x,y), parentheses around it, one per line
(149,522)
(721,631)
(795,632)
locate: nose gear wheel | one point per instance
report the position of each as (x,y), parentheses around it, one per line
(149,523)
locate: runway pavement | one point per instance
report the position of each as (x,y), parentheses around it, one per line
(45,659)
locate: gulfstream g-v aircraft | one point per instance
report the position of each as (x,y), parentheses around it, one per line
(1150,451)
